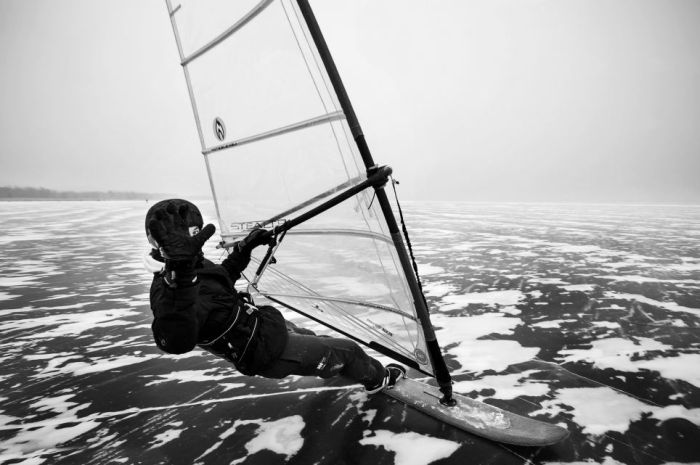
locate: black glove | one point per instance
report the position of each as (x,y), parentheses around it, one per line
(171,232)
(254,239)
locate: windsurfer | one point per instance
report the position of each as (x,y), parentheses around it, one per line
(194,303)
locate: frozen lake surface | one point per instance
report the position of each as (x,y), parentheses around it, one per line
(582,315)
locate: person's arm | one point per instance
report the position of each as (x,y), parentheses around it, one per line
(174,292)
(235,263)
(239,258)
(175,326)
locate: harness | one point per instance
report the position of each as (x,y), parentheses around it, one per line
(234,343)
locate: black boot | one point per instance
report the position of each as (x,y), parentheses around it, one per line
(396,372)
(393,372)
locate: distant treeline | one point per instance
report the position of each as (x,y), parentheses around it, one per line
(40,193)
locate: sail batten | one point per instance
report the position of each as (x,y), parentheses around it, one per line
(334,116)
(227,33)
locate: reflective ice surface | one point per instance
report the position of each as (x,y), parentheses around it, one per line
(583,315)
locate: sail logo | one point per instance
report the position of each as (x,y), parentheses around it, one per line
(219,129)
(421,357)
(239,228)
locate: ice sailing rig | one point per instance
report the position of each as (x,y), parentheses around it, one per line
(284,150)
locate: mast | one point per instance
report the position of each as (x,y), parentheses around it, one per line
(442,374)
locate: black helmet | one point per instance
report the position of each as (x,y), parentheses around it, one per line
(194,217)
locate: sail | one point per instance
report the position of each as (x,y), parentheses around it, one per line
(278,145)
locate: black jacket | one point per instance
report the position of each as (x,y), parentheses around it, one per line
(214,316)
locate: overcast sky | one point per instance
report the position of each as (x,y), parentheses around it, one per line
(537,100)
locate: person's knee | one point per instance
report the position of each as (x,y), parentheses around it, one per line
(331,364)
(346,345)
(293,328)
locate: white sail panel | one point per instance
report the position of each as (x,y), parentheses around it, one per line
(201,22)
(351,281)
(285,150)
(258,181)
(255,80)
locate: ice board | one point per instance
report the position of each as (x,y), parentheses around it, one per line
(477,417)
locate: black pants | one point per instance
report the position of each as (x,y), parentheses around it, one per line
(309,355)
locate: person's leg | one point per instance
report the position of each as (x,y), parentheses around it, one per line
(292,328)
(325,357)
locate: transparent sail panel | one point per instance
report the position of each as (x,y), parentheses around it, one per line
(256,80)
(277,146)
(199,23)
(288,173)
(350,281)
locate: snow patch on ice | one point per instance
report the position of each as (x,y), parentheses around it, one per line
(551,323)
(503,298)
(579,287)
(689,264)
(475,353)
(231,386)
(617,353)
(671,306)
(506,386)
(457,330)
(547,281)
(602,409)
(281,436)
(606,461)
(674,367)
(569,248)
(168,435)
(412,448)
(57,364)
(438,289)
(647,279)
(606,324)
(34,440)
(497,355)
(15,281)
(69,324)
(7,419)
(7,296)
(186,376)
(429,270)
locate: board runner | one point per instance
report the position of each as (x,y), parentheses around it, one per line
(195,303)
